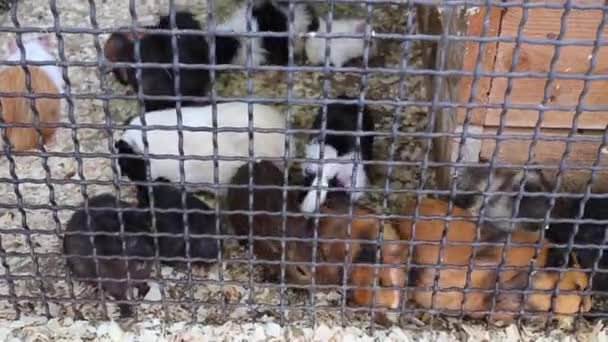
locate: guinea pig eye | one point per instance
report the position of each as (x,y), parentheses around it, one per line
(309,170)
(302,271)
(334,182)
(308,179)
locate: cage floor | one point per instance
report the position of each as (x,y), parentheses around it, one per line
(222,311)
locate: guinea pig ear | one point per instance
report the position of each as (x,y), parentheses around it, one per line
(12,46)
(132,244)
(131,36)
(44,40)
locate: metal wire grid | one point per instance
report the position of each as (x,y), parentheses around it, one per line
(404,70)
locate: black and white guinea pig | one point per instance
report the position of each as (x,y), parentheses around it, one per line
(266,16)
(342,50)
(157,48)
(501,207)
(200,143)
(104,218)
(343,146)
(587,234)
(168,197)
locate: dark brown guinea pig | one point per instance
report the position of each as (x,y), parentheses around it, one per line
(104,221)
(270,224)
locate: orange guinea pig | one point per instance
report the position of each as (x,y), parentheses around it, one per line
(450,266)
(363,227)
(43,80)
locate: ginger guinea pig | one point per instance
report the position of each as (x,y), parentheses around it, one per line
(43,80)
(363,227)
(485,262)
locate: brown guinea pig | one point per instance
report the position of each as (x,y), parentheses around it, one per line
(539,301)
(270,224)
(484,274)
(394,277)
(565,304)
(43,80)
(362,228)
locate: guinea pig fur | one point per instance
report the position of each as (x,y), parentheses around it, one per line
(104,219)
(363,276)
(485,262)
(266,16)
(264,225)
(340,117)
(170,220)
(157,48)
(500,208)
(342,50)
(200,143)
(587,234)
(363,227)
(43,80)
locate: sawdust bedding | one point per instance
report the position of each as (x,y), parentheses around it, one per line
(221,312)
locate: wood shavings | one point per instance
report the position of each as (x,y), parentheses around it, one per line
(110,331)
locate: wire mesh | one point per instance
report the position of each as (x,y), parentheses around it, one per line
(518,231)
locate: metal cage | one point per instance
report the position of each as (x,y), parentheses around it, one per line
(442,83)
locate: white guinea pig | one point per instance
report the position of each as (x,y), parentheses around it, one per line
(200,143)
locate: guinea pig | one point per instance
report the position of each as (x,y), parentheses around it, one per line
(157,48)
(104,221)
(539,302)
(364,226)
(342,50)
(200,143)
(572,280)
(266,16)
(269,224)
(592,234)
(342,118)
(484,272)
(393,277)
(43,80)
(170,220)
(500,208)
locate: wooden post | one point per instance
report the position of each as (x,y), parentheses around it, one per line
(461,55)
(542,23)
